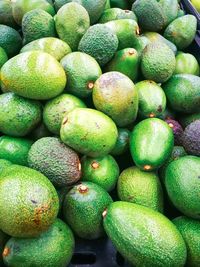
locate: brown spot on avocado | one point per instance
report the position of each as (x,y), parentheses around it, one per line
(38,212)
(159,108)
(6,252)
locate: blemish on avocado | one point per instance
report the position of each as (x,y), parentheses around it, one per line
(159,108)
(65,121)
(38,212)
(6,252)
(33,201)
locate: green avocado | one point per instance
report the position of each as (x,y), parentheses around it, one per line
(56,108)
(151,143)
(186,64)
(115,95)
(53,248)
(28,204)
(183,93)
(82,71)
(182,31)
(125,61)
(122,144)
(86,203)
(183,185)
(143,236)
(18,115)
(139,187)
(190,231)
(152,99)
(170,9)
(100,42)
(4,164)
(115,14)
(15,149)
(55,160)
(6,16)
(103,171)
(89,132)
(3,57)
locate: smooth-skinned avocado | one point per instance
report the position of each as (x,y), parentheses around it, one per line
(100,42)
(115,95)
(158,62)
(82,71)
(115,14)
(152,99)
(29,202)
(139,187)
(15,149)
(122,144)
(103,171)
(37,24)
(191,138)
(125,61)
(183,93)
(55,160)
(86,203)
(89,132)
(182,31)
(53,248)
(72,21)
(143,236)
(186,64)
(190,231)
(56,108)
(28,80)
(18,115)
(183,185)
(51,45)
(151,143)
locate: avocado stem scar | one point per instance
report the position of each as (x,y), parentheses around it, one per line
(151,115)
(104,213)
(90,85)
(95,165)
(171,125)
(79,166)
(147,167)
(83,189)
(6,252)
(131,51)
(138,31)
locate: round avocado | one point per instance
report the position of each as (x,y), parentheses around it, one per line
(55,160)
(191,138)
(28,204)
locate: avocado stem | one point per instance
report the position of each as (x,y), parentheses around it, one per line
(131,51)
(147,167)
(95,165)
(171,125)
(90,85)
(104,213)
(151,115)
(83,189)
(6,252)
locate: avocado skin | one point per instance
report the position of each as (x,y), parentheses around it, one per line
(183,93)
(177,130)
(115,14)
(143,188)
(191,138)
(190,231)
(30,192)
(151,143)
(183,185)
(4,164)
(55,160)
(143,236)
(85,216)
(186,119)
(170,9)
(30,252)
(186,63)
(15,149)
(122,144)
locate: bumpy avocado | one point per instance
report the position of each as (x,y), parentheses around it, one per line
(191,138)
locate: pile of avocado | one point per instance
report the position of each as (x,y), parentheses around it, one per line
(100,131)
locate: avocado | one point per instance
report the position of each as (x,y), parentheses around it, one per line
(55,160)
(39,132)
(183,185)
(183,93)
(191,138)
(177,130)
(72,21)
(4,164)
(82,71)
(158,62)
(182,31)
(115,14)
(56,108)
(37,24)
(86,202)
(51,45)
(190,231)
(6,16)
(141,43)
(143,236)
(22,75)
(94,8)
(127,31)
(139,187)
(151,16)
(151,143)
(21,7)
(103,171)
(152,99)
(18,115)
(89,132)
(115,95)
(186,119)
(125,61)
(28,204)
(53,248)
(187,64)
(15,149)
(3,57)
(170,9)
(10,40)
(99,42)
(122,144)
